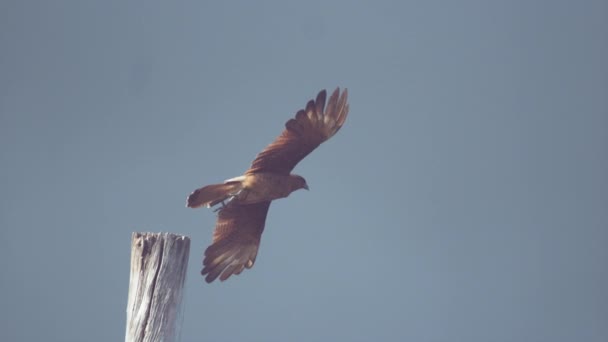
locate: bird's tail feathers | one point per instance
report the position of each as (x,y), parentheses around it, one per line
(211,195)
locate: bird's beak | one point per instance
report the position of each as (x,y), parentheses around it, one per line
(306,187)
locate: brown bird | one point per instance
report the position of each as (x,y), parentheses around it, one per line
(245,199)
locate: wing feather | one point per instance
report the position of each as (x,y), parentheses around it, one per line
(306,131)
(320,102)
(236,240)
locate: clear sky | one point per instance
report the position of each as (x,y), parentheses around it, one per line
(465,199)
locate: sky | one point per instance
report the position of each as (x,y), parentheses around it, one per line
(464,199)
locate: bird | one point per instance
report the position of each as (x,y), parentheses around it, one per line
(242,202)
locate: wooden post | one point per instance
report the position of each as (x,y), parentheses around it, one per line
(158,272)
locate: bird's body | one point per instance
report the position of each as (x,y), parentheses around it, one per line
(245,199)
(249,189)
(260,187)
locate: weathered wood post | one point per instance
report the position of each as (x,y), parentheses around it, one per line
(158,272)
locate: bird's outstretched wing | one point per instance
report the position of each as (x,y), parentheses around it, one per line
(235,240)
(311,126)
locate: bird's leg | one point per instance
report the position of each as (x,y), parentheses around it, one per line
(224,203)
(228,200)
(233,196)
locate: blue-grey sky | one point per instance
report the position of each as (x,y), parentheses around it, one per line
(465,199)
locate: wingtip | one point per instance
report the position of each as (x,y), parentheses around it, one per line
(342,108)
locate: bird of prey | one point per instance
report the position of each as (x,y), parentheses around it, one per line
(244,201)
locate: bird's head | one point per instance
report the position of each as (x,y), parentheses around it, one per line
(298,182)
